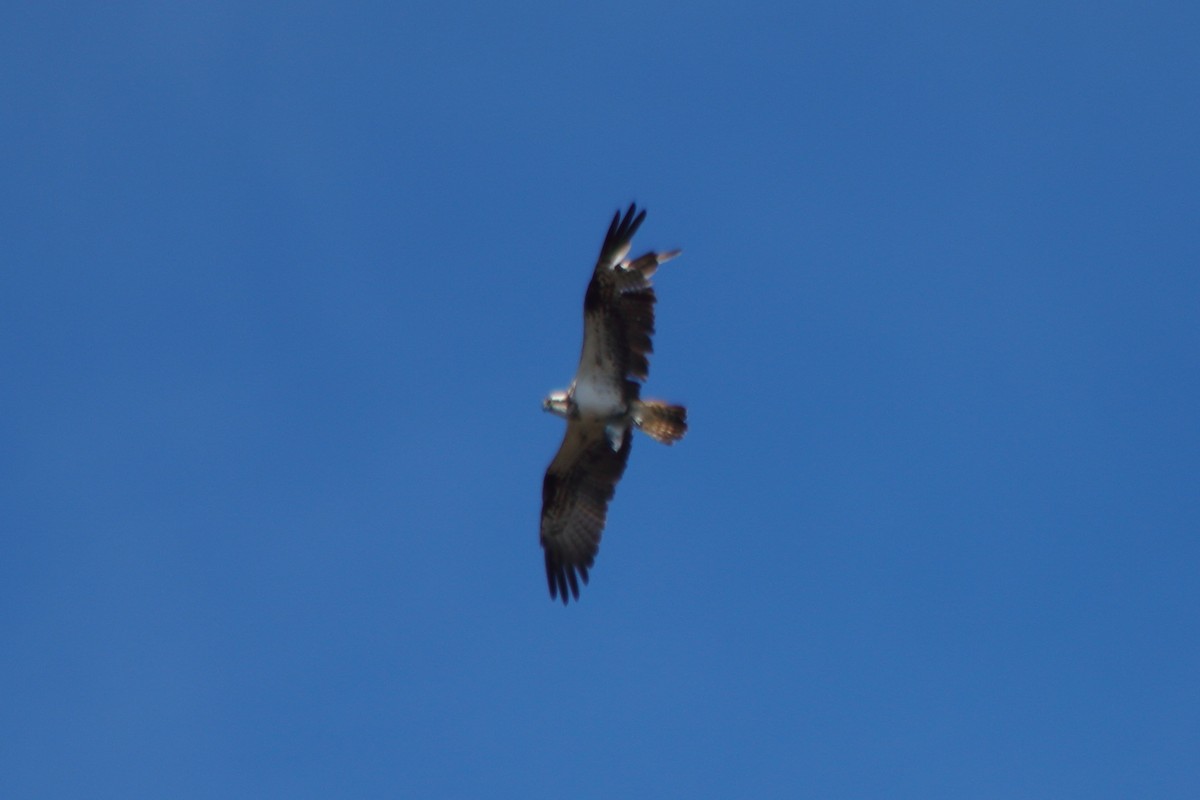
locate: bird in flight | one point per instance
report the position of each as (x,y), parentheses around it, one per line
(602,406)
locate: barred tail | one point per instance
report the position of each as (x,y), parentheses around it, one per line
(663,422)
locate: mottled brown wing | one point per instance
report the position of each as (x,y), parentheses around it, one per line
(575,493)
(620,298)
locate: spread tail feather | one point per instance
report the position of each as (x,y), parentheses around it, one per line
(663,422)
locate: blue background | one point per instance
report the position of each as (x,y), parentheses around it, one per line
(283,285)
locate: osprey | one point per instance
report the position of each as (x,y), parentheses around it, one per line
(602,406)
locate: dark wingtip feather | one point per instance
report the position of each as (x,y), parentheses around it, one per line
(561,577)
(632,222)
(550,577)
(613,227)
(562,580)
(621,230)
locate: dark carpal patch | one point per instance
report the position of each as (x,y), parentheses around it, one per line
(592,300)
(549,487)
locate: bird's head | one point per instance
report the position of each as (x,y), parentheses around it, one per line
(557,403)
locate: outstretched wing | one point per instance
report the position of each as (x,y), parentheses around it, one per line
(618,309)
(575,493)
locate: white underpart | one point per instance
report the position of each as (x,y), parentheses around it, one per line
(597,391)
(596,396)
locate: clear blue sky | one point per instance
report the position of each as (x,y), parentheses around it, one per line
(283,285)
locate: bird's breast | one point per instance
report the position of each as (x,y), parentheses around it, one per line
(599,399)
